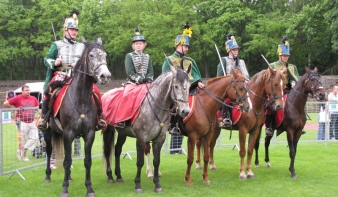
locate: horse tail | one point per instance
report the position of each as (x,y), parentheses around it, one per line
(57,141)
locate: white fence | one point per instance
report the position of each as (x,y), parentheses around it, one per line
(9,164)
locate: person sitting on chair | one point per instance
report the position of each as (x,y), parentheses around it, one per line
(60,59)
(228,63)
(291,74)
(182,44)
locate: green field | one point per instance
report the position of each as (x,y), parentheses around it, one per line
(315,166)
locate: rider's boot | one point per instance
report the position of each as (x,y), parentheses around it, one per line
(268,123)
(101,123)
(226,116)
(43,121)
(175,130)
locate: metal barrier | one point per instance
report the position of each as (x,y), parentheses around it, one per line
(9,143)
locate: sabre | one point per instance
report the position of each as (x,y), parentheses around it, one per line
(220,59)
(53,31)
(265,59)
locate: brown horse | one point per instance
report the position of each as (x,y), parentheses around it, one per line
(203,120)
(294,115)
(265,86)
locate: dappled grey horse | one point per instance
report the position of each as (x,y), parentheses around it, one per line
(151,124)
(78,113)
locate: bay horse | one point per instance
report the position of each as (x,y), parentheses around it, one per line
(265,86)
(78,113)
(294,115)
(203,120)
(150,125)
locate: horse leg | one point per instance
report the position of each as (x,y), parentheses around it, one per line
(251,144)
(198,154)
(267,144)
(156,162)
(159,173)
(215,135)
(121,139)
(242,152)
(256,149)
(88,162)
(49,148)
(205,144)
(292,142)
(149,170)
(190,159)
(140,162)
(108,144)
(67,162)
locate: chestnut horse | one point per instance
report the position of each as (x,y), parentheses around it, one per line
(203,120)
(294,115)
(265,86)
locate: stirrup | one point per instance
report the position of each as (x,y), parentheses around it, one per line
(43,125)
(101,124)
(175,131)
(227,122)
(269,132)
(121,124)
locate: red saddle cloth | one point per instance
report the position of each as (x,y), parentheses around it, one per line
(192,101)
(279,113)
(122,104)
(59,98)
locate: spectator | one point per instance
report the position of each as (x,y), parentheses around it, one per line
(322,118)
(333,97)
(25,120)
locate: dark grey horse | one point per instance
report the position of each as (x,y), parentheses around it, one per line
(151,124)
(77,115)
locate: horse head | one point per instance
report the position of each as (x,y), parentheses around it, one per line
(96,60)
(313,84)
(179,92)
(237,90)
(274,88)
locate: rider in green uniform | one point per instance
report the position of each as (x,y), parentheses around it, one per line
(182,44)
(291,74)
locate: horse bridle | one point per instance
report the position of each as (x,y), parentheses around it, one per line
(239,99)
(312,87)
(97,66)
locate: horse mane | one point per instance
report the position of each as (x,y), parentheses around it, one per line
(212,80)
(84,57)
(265,75)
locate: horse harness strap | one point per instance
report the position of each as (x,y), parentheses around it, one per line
(205,113)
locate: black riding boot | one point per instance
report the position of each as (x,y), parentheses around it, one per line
(174,128)
(101,123)
(43,121)
(269,124)
(226,115)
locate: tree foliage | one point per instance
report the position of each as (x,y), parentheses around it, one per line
(258,25)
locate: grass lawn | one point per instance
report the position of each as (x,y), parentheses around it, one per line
(316,167)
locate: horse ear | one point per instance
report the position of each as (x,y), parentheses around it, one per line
(99,41)
(83,40)
(172,68)
(234,73)
(272,71)
(307,69)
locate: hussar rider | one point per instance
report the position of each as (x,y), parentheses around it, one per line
(228,63)
(60,59)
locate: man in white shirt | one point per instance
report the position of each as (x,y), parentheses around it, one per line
(333,98)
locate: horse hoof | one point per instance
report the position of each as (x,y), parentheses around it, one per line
(47,181)
(243,177)
(198,167)
(70,180)
(268,165)
(139,190)
(213,168)
(294,177)
(158,190)
(206,182)
(110,181)
(150,176)
(90,195)
(119,180)
(256,166)
(250,176)
(64,195)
